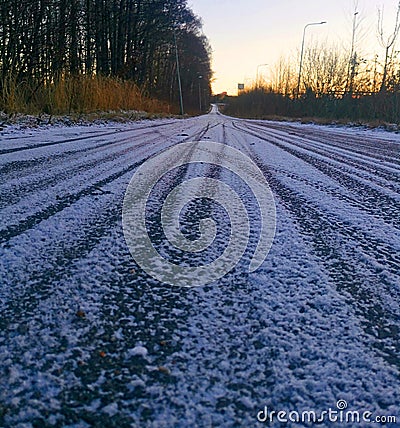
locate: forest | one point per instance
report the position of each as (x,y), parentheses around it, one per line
(60,56)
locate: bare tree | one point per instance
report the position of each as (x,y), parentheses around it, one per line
(46,41)
(325,69)
(387,42)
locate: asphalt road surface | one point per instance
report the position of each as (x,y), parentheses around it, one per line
(89,338)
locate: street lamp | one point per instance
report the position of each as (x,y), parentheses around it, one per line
(258,66)
(302,52)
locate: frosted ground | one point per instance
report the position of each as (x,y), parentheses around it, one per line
(90,339)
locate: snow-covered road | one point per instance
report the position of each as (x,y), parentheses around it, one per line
(89,339)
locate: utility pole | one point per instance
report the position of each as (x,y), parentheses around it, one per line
(352,59)
(200,77)
(178,72)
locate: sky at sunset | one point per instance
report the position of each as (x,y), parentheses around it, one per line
(246,33)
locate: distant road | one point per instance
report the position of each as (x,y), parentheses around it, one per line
(88,338)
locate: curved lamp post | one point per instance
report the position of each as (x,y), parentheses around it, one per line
(302,52)
(258,66)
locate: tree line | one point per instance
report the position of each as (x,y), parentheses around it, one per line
(45,42)
(334,83)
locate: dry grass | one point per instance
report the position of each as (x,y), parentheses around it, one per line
(371,124)
(76,95)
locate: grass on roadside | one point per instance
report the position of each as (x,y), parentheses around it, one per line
(80,95)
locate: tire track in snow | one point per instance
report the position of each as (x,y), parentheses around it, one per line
(65,201)
(18,167)
(363,168)
(77,139)
(379,322)
(377,149)
(25,304)
(63,254)
(372,201)
(225,343)
(27,185)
